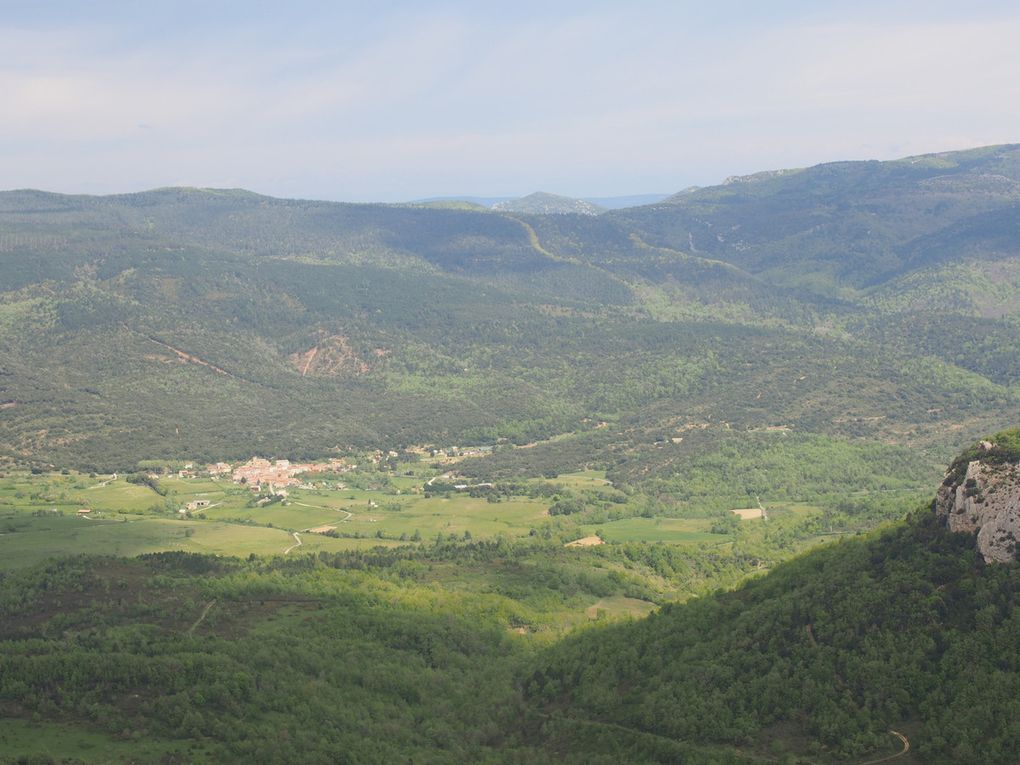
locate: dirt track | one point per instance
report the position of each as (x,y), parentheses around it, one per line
(296,539)
(201,617)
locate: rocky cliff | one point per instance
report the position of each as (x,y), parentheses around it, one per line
(981,495)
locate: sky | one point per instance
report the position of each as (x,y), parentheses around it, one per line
(393,101)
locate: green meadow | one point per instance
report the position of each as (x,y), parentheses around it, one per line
(675,530)
(39,517)
(37,741)
(27,540)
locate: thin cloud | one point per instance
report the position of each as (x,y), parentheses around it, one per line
(595,101)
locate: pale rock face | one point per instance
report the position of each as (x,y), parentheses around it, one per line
(986,502)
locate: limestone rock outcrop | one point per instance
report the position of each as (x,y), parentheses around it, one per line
(984,499)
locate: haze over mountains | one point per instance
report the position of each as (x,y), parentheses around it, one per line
(600,203)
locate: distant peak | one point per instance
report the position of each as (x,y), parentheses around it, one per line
(544,203)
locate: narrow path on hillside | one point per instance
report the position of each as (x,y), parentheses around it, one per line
(201,617)
(321,507)
(297,539)
(906,748)
(693,255)
(104,483)
(188,357)
(740,753)
(536,245)
(311,358)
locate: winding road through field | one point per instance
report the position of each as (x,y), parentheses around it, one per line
(296,539)
(320,507)
(104,483)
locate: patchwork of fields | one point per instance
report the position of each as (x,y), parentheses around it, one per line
(39,517)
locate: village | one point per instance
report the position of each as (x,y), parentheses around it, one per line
(259,473)
(273,477)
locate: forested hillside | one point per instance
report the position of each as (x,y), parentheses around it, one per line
(850,301)
(846,226)
(426,654)
(909,631)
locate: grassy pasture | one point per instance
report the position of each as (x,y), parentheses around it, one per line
(131,519)
(452,515)
(619,607)
(35,539)
(583,479)
(58,741)
(675,530)
(290,517)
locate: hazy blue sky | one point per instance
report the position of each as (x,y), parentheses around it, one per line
(398,100)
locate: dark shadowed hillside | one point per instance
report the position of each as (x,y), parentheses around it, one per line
(910,631)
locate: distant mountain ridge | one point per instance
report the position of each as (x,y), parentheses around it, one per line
(605,203)
(888,292)
(852,224)
(542,203)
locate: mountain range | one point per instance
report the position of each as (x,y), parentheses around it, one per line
(566,203)
(813,346)
(860,302)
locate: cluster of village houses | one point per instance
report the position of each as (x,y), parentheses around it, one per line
(260,474)
(277,474)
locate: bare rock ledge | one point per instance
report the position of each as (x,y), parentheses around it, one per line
(986,502)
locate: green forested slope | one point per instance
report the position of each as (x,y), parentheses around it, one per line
(847,225)
(908,631)
(213,324)
(413,655)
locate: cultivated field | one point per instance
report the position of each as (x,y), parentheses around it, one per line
(40,515)
(676,530)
